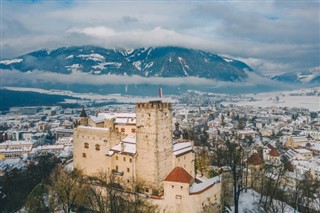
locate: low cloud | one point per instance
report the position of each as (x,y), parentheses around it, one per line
(271,36)
(16,78)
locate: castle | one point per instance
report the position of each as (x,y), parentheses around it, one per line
(141,148)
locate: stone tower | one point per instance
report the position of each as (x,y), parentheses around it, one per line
(154,144)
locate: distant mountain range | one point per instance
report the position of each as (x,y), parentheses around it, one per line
(307,77)
(106,71)
(147,62)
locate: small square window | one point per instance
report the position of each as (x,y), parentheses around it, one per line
(84,155)
(97,147)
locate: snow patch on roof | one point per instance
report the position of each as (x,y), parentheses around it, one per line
(198,187)
(93,128)
(180,148)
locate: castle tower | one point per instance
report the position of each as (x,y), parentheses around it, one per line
(154,144)
(83,118)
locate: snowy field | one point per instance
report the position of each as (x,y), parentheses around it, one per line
(305,98)
(296,98)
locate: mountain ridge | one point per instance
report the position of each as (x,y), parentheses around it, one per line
(167,61)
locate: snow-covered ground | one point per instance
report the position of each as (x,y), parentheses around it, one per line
(249,203)
(297,98)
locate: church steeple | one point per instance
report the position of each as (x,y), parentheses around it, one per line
(83,118)
(83,113)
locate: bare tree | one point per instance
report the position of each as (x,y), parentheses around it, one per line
(232,158)
(107,195)
(68,189)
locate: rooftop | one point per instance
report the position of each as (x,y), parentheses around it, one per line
(199,187)
(255,159)
(274,153)
(178,174)
(180,148)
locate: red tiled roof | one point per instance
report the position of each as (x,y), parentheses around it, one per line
(255,159)
(274,153)
(270,146)
(178,174)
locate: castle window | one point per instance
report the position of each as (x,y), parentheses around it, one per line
(128,169)
(124,158)
(117,168)
(146,190)
(181,187)
(172,186)
(116,157)
(130,160)
(128,181)
(117,129)
(97,147)
(84,155)
(122,130)
(133,130)
(86,145)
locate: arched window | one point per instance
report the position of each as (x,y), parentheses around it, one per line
(86,145)
(97,147)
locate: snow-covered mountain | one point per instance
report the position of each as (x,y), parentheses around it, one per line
(311,76)
(147,62)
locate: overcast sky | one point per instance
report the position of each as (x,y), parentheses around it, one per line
(271,36)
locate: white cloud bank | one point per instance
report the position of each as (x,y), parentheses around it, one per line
(272,36)
(16,78)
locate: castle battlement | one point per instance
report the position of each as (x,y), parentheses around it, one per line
(154,105)
(147,155)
